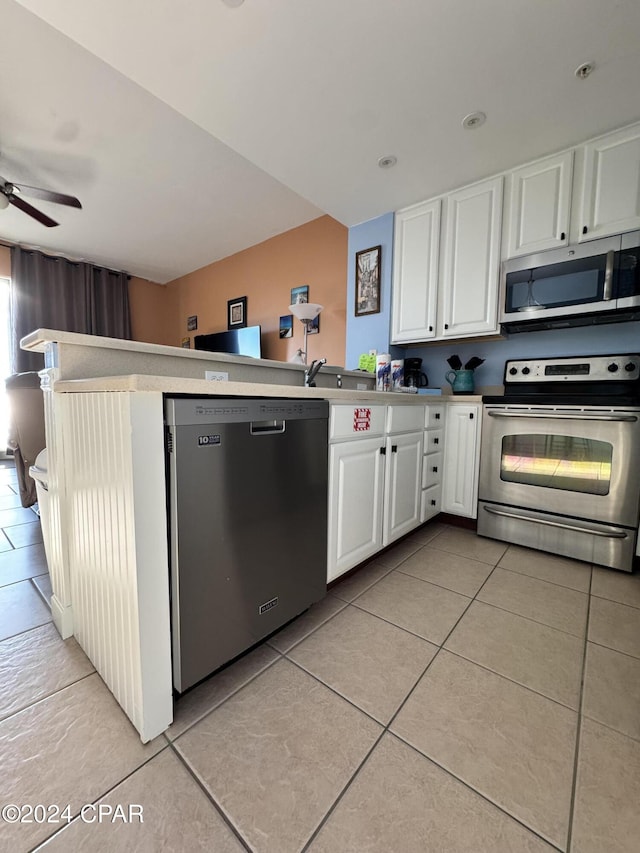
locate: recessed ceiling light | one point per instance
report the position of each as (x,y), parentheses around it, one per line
(233,3)
(387,161)
(583,71)
(473,120)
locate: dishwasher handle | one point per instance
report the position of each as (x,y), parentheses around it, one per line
(267,427)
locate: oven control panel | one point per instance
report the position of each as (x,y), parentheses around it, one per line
(592,368)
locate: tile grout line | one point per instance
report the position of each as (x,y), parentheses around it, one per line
(385,728)
(41,845)
(49,695)
(480,794)
(217,807)
(544,580)
(618,651)
(576,756)
(529,619)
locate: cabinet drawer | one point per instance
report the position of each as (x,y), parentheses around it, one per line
(434,416)
(430,503)
(356,422)
(433,440)
(405,419)
(431,470)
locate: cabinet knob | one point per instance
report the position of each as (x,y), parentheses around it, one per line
(584,229)
(562,236)
(435,469)
(394,448)
(470,416)
(433,503)
(437,416)
(446,325)
(431,328)
(383,451)
(436,441)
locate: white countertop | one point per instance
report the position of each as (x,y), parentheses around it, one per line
(178,385)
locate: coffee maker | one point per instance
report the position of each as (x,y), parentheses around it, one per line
(413,374)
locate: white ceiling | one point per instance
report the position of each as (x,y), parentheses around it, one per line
(191,130)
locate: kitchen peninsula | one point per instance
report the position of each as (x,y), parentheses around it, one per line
(107,550)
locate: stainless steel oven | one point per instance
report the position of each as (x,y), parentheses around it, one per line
(560,461)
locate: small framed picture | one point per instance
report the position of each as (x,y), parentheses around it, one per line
(368,281)
(186,343)
(237,313)
(299,294)
(192,323)
(314,326)
(286,326)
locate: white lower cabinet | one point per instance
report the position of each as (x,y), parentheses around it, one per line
(461,459)
(403,485)
(356,478)
(375,480)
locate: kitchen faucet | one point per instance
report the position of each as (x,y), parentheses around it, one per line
(312,371)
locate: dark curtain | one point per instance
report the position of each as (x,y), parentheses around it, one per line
(54,293)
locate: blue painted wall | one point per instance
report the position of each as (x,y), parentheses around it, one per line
(371,331)
(594,340)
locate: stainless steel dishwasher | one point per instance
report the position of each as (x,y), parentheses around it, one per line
(248,523)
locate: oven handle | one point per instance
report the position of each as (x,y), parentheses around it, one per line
(614,534)
(571,416)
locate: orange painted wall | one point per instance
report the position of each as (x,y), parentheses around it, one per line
(314,254)
(153,312)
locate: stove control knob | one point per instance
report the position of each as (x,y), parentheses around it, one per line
(526,371)
(629,366)
(513,370)
(613,367)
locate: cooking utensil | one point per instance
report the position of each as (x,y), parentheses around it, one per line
(454,362)
(473,363)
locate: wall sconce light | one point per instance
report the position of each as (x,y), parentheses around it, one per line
(306,312)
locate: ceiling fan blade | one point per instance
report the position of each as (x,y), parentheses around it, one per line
(27,208)
(47,195)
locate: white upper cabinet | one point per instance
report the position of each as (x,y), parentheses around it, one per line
(471,260)
(611,185)
(415,272)
(538,205)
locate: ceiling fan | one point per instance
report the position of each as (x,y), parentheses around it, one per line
(12,194)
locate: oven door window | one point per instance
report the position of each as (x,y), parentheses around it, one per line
(564,462)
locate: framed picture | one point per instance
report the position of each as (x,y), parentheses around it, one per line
(186,343)
(286,326)
(314,326)
(299,294)
(237,313)
(192,323)
(368,281)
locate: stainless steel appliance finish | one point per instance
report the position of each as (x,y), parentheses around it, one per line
(560,460)
(594,282)
(248,523)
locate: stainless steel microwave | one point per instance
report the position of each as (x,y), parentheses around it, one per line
(595,282)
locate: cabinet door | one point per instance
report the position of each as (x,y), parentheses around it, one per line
(403,486)
(611,189)
(471,258)
(539,202)
(461,460)
(415,272)
(356,478)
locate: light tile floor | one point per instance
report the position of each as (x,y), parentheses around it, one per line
(455,694)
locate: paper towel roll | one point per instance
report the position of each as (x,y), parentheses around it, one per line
(383,372)
(397,374)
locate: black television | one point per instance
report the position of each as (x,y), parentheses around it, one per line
(244,341)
